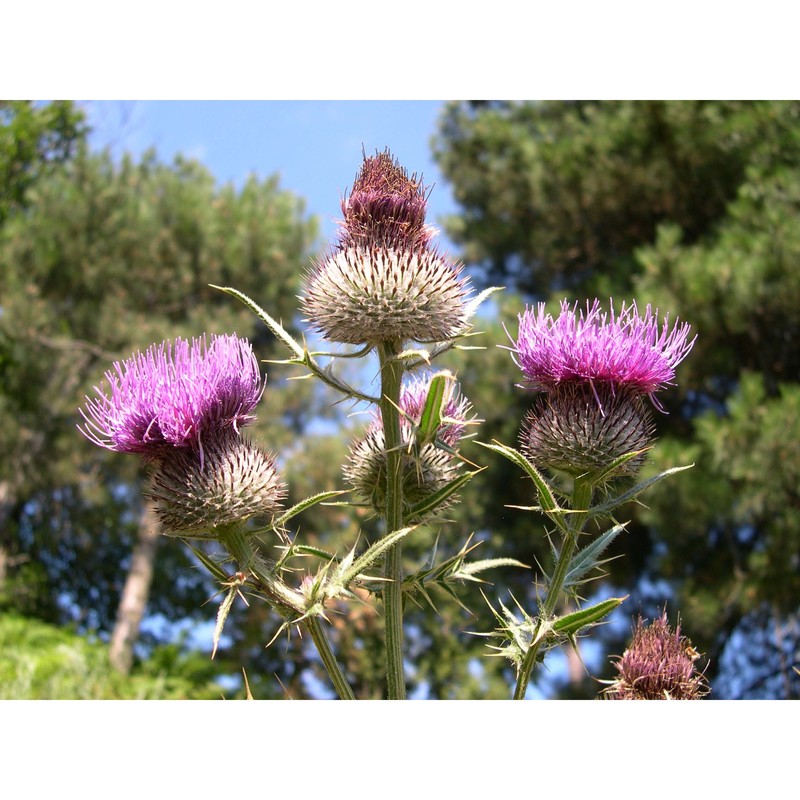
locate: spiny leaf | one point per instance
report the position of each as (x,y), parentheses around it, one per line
(610,505)
(433,501)
(222,615)
(431,417)
(474,567)
(303,505)
(600,476)
(301,354)
(212,566)
(373,552)
(587,558)
(546,497)
(278,329)
(309,550)
(472,306)
(570,624)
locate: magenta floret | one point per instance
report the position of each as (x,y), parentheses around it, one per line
(413,395)
(174,395)
(625,350)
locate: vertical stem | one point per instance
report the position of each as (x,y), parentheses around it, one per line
(581,500)
(391,379)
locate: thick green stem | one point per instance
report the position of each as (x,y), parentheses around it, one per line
(391,379)
(581,500)
(290,600)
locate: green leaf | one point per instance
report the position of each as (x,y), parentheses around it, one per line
(301,354)
(432,502)
(570,624)
(372,553)
(474,567)
(610,505)
(600,476)
(212,566)
(303,505)
(431,418)
(472,306)
(222,615)
(546,497)
(584,560)
(278,329)
(309,550)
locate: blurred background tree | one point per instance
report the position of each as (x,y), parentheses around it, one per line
(691,206)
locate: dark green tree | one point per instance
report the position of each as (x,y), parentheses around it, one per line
(693,207)
(33,139)
(103,259)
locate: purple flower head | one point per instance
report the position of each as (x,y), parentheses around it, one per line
(413,395)
(174,395)
(625,350)
(425,469)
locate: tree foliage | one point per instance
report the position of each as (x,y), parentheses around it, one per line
(103,259)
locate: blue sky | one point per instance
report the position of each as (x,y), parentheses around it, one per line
(315,146)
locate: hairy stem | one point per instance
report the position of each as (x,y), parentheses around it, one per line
(314,627)
(391,379)
(581,500)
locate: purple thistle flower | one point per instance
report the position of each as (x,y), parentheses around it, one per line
(174,395)
(625,350)
(426,469)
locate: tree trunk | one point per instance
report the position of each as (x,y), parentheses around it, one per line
(5,553)
(135,593)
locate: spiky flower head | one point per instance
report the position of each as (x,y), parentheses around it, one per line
(659,664)
(568,429)
(176,394)
(383,281)
(425,469)
(366,295)
(624,350)
(234,482)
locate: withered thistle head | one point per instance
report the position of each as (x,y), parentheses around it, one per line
(385,208)
(234,482)
(383,281)
(659,664)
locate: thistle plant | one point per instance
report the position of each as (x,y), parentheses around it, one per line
(590,424)
(385,289)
